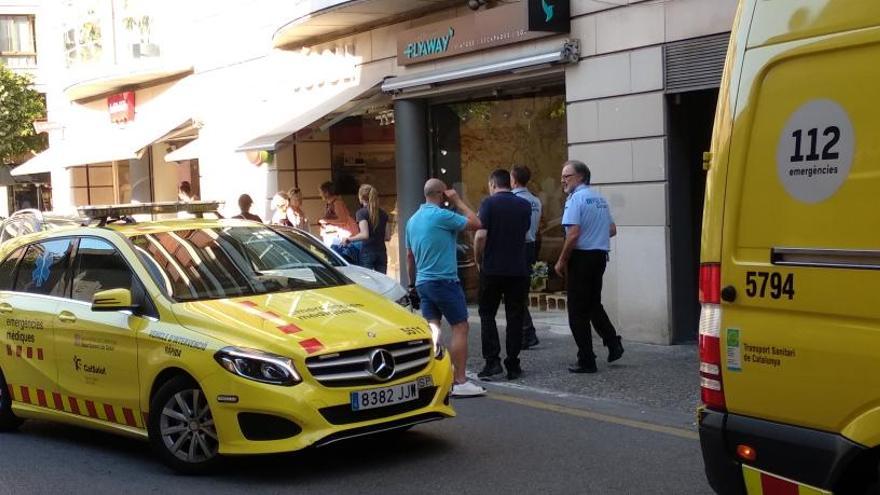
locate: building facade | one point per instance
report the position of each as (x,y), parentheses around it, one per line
(343,91)
(21,38)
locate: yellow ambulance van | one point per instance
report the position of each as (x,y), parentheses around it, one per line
(790,262)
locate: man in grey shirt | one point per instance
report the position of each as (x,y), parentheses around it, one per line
(520,176)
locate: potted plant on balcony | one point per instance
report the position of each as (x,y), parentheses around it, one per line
(143,48)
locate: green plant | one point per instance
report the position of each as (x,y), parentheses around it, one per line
(20,106)
(540,272)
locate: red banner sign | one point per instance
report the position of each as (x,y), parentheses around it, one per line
(121,107)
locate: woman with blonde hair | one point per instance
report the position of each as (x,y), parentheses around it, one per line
(283,214)
(299,216)
(374,231)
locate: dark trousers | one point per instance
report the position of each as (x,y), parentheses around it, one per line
(492,289)
(528,326)
(584,286)
(374,260)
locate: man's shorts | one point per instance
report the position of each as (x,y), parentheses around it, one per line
(443,298)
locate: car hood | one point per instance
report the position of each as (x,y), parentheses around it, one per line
(375,281)
(304,323)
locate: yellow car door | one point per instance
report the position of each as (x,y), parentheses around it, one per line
(39,277)
(97,351)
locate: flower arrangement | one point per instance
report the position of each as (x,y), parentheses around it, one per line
(540,272)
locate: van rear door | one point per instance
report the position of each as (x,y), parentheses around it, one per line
(801,235)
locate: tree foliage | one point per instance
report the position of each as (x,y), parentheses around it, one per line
(20,106)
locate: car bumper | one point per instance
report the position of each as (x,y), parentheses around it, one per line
(814,459)
(310,414)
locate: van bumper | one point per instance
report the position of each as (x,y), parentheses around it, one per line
(807,456)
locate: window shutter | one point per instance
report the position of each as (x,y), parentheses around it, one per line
(695,64)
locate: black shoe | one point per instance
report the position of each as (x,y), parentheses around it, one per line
(514,372)
(491,369)
(583,368)
(530,342)
(615,350)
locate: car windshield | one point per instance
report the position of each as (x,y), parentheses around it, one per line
(315,246)
(222,262)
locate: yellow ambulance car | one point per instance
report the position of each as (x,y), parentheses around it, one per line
(790,274)
(208,337)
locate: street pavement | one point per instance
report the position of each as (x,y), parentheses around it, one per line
(507,442)
(650,376)
(628,429)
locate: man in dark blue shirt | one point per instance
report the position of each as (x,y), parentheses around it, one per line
(500,251)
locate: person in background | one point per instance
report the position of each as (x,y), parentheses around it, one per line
(300,220)
(244,204)
(589,228)
(373,231)
(283,214)
(500,253)
(336,224)
(520,176)
(432,266)
(184,193)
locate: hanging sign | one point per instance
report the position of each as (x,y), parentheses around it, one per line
(121,107)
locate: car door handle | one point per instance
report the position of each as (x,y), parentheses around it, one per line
(67,317)
(6,308)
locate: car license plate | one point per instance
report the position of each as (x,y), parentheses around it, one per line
(386,396)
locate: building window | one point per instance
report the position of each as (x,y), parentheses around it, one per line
(18,47)
(83,31)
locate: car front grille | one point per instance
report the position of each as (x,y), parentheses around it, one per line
(352,368)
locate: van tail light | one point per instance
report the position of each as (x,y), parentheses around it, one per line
(711,388)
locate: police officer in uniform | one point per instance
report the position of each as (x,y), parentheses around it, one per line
(589,227)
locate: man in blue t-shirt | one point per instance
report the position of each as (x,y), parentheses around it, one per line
(589,228)
(433,269)
(500,252)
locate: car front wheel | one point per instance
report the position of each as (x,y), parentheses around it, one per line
(181,427)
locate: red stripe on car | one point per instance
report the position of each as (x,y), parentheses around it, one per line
(111,414)
(41,398)
(777,486)
(129,416)
(311,345)
(290,328)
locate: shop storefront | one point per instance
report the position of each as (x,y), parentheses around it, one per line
(536,83)
(391,96)
(113,149)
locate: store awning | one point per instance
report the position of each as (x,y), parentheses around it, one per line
(189,151)
(102,145)
(41,163)
(307,110)
(329,19)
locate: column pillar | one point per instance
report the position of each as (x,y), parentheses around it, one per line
(411,143)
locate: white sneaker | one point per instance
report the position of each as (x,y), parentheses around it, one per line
(467,389)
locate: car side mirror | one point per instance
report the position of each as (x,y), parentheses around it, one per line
(113,300)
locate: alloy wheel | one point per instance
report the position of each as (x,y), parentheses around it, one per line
(187,427)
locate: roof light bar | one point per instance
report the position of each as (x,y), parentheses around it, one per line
(119,211)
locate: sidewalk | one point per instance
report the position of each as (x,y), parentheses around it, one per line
(651,376)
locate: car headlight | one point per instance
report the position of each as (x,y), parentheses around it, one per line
(258,366)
